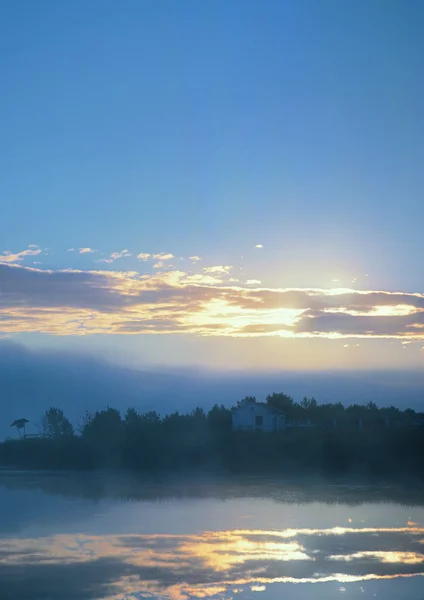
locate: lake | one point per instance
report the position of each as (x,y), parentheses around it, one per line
(97,536)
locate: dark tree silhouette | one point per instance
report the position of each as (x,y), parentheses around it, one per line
(362,439)
(105,426)
(55,424)
(246,401)
(282,402)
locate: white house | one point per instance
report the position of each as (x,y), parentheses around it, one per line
(257,416)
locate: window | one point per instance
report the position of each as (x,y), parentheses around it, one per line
(259,420)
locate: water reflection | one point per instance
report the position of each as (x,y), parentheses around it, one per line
(69,537)
(96,486)
(210,564)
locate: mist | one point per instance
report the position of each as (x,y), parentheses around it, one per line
(33,380)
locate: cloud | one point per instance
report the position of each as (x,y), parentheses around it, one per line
(160,257)
(121,254)
(115,256)
(194,258)
(258,246)
(73,302)
(71,250)
(163,256)
(9,257)
(218,269)
(86,250)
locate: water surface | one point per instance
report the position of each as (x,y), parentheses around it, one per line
(68,537)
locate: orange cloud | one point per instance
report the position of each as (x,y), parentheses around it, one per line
(73,302)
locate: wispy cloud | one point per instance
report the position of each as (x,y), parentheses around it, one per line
(71,250)
(115,256)
(144,256)
(75,302)
(121,254)
(86,250)
(194,258)
(10,257)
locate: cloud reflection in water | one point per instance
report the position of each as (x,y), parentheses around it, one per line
(205,565)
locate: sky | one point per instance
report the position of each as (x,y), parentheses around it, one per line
(214,184)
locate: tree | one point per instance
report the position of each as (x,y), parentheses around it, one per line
(198,415)
(105,427)
(410,413)
(330,411)
(219,417)
(151,417)
(55,424)
(281,402)
(132,419)
(86,418)
(246,401)
(308,404)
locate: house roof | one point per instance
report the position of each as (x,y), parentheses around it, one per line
(19,422)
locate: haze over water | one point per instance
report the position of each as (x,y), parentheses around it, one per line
(82,536)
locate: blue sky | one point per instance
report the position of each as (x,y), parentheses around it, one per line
(205,129)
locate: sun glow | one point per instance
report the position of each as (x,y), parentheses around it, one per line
(75,302)
(235,320)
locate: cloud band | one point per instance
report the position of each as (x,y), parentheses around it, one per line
(73,302)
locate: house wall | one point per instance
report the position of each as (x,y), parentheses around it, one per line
(245,418)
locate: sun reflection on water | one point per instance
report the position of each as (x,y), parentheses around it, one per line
(213,563)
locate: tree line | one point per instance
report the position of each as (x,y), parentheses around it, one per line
(199,440)
(109,423)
